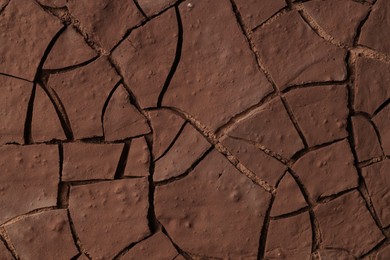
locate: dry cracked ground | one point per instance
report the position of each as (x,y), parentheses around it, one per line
(197,129)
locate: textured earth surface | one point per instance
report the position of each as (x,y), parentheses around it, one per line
(197,129)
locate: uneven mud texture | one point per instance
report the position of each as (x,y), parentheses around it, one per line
(197,129)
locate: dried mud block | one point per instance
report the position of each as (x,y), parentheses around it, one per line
(374,33)
(138,159)
(225,223)
(327,170)
(154,7)
(23,38)
(145,58)
(231,66)
(366,141)
(382,121)
(187,149)
(289,197)
(164,133)
(346,223)
(289,238)
(45,125)
(121,119)
(377,179)
(70,49)
(255,12)
(14,97)
(83,93)
(294,54)
(371,84)
(108,216)
(157,246)
(270,126)
(83,161)
(28,180)
(338,18)
(264,166)
(5,254)
(321,112)
(44,235)
(105,21)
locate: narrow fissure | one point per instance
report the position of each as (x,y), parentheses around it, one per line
(173,142)
(264,230)
(294,120)
(187,172)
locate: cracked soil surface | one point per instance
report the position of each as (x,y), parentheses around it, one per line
(194,129)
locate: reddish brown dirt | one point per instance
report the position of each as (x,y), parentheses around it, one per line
(194,129)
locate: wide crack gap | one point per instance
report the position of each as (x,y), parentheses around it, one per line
(381,107)
(176,61)
(27,125)
(63,189)
(120,169)
(152,220)
(360,26)
(38,74)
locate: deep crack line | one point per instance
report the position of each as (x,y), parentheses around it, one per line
(176,61)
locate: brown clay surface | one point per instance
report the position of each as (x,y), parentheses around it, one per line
(194,129)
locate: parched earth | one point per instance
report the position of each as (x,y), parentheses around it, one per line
(197,129)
